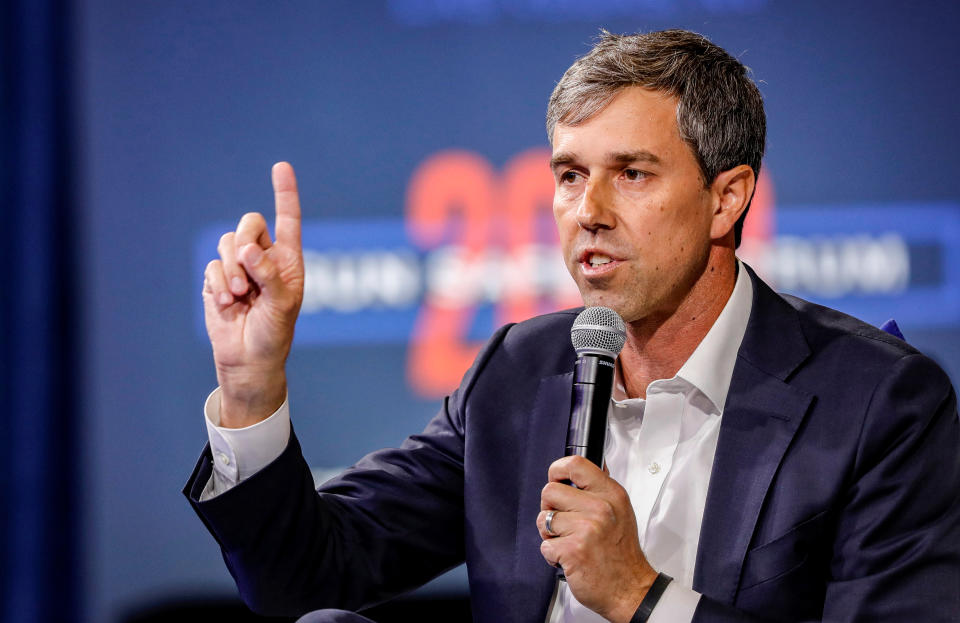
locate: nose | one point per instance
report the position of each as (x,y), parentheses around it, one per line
(594,212)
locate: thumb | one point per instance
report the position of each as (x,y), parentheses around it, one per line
(263,270)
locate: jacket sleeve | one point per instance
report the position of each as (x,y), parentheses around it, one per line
(896,538)
(387,525)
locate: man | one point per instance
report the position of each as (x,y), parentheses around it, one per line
(777,459)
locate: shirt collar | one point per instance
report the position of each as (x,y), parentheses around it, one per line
(710,367)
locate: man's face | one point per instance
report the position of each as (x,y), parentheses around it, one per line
(631,207)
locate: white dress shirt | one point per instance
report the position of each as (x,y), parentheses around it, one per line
(660,449)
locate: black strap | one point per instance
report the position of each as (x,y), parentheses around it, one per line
(645,609)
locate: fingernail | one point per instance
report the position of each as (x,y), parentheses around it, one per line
(236,284)
(225,299)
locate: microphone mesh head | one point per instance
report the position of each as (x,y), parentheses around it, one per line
(598,330)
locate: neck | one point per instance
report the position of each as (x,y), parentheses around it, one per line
(658,345)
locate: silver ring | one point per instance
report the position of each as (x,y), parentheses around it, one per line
(548,524)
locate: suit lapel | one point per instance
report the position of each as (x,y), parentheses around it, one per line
(546,439)
(759,420)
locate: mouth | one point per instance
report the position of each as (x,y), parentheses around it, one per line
(596,262)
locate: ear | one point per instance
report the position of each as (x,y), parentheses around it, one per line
(732,190)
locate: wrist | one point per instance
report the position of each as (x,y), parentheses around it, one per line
(630,598)
(651,598)
(250,398)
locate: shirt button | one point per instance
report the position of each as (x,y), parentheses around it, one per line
(654,468)
(224,459)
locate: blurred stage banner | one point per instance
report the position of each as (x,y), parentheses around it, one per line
(477,248)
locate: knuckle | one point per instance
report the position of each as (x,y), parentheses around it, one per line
(251,219)
(595,506)
(610,515)
(620,496)
(594,529)
(225,240)
(578,548)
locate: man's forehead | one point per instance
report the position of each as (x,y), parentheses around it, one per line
(635,121)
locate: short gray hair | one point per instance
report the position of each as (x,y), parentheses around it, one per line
(719,112)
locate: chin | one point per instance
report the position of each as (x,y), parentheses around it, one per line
(629,310)
(596,299)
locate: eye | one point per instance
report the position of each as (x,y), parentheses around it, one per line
(568,177)
(634,175)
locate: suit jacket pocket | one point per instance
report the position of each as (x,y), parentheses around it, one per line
(783,554)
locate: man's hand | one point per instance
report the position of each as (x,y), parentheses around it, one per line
(251,297)
(594,539)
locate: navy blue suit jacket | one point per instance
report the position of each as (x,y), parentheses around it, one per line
(834,495)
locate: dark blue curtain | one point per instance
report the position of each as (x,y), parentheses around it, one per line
(39,402)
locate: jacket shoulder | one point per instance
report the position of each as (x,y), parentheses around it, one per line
(553,327)
(852,358)
(827,329)
(534,348)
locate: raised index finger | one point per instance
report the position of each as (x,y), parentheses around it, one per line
(287,202)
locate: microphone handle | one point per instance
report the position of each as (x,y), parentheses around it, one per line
(587,432)
(592,388)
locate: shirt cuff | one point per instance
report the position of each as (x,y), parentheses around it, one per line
(239,453)
(677,605)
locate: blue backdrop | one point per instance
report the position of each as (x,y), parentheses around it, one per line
(181,107)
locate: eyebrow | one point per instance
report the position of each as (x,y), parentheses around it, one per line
(619,157)
(641,155)
(561,158)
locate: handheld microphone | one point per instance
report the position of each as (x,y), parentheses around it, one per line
(598,335)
